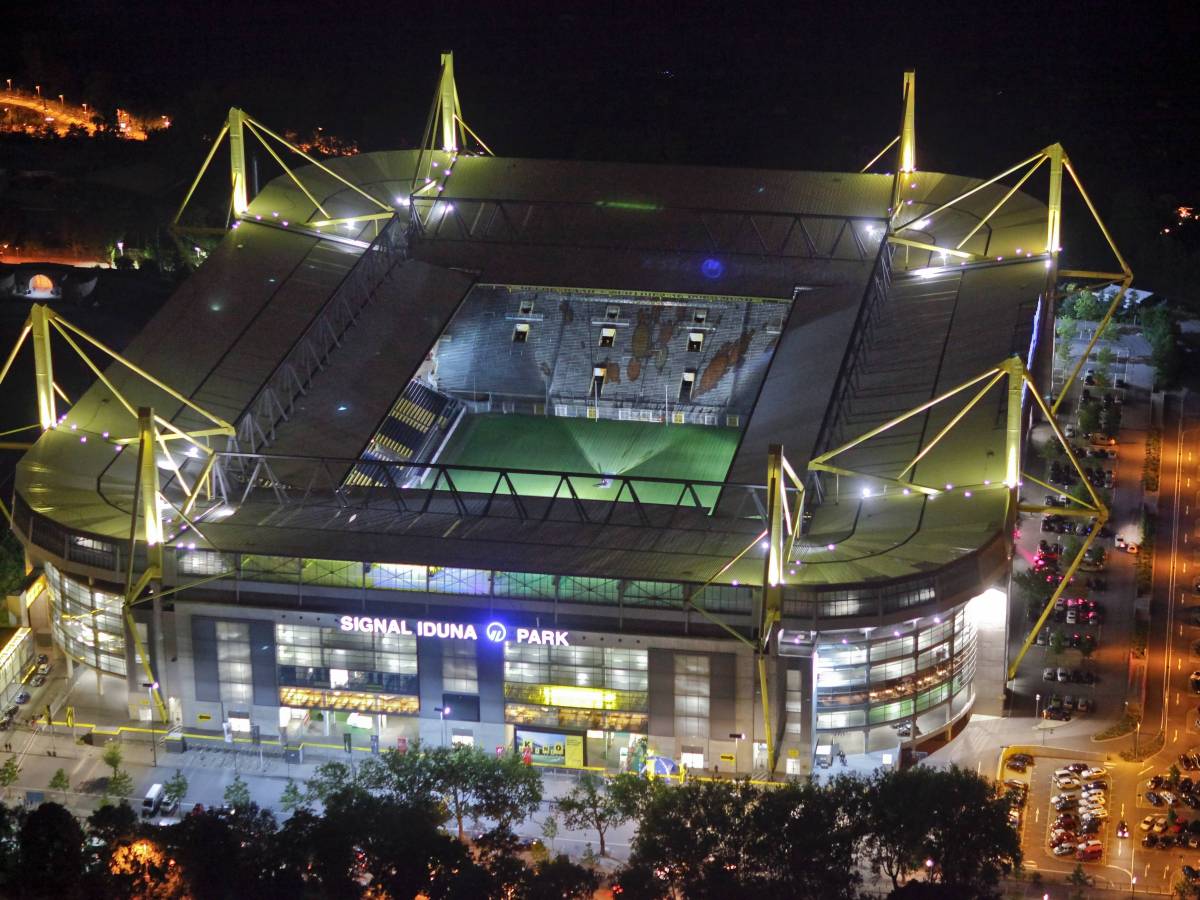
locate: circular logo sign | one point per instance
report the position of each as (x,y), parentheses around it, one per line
(496,632)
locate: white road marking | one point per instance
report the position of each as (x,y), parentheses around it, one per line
(1175,740)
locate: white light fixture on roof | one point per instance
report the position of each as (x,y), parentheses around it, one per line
(923,224)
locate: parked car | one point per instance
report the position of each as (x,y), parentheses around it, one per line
(22,697)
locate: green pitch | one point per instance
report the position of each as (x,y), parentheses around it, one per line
(596,448)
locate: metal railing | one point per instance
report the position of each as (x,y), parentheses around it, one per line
(628,226)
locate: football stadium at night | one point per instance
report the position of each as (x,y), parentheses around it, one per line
(556,455)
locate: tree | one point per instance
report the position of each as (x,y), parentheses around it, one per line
(1105,357)
(550,830)
(400,843)
(589,805)
(59,781)
(112,755)
(633,793)
(1051,450)
(1033,585)
(805,838)
(112,823)
(140,870)
(694,840)
(509,793)
(9,773)
(175,788)
(51,863)
(1084,305)
(328,778)
(954,817)
(120,785)
(1173,775)
(469,782)
(237,793)
(561,879)
(291,799)
(1058,642)
(1089,416)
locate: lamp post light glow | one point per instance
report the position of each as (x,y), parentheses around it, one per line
(443,711)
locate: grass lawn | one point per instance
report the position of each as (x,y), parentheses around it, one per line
(595,448)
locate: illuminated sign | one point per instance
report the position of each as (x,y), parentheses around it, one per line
(496,632)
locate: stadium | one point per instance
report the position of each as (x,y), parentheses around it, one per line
(533,454)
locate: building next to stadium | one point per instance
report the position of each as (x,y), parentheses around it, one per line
(498,470)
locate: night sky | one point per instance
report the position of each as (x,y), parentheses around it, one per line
(725,84)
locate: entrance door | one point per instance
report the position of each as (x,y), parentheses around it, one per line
(760,754)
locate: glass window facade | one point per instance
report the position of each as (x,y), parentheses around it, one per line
(460,675)
(233,664)
(597,688)
(312,657)
(890,674)
(691,695)
(87,622)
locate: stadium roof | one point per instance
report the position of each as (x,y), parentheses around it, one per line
(813,237)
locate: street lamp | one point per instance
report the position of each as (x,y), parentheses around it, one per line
(1137,734)
(1132,884)
(1037,702)
(443,711)
(151,687)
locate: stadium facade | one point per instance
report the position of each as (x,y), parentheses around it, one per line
(497,469)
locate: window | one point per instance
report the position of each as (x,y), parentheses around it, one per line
(459,673)
(612,313)
(598,373)
(233,663)
(607,336)
(695,341)
(685,386)
(527,307)
(521,334)
(691,695)
(699,316)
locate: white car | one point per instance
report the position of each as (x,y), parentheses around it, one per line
(1063,849)
(1093,793)
(1050,674)
(1147,823)
(1066,782)
(1064,773)
(1095,801)
(1064,674)
(1094,772)
(1097,814)
(1168,798)
(1065,797)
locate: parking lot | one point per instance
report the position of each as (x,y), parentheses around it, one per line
(1081,831)
(1161,840)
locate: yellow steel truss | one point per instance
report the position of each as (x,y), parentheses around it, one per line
(239,124)
(151,434)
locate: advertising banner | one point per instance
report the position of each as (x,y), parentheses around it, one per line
(548,749)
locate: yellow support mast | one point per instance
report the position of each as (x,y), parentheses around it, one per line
(237,160)
(43,366)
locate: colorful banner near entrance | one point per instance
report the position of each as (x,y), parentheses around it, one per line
(548,749)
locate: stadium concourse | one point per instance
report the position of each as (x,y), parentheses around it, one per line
(539,397)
